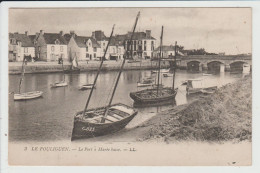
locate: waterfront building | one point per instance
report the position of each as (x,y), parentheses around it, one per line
(20,45)
(50,46)
(115,49)
(84,48)
(143,45)
(167,52)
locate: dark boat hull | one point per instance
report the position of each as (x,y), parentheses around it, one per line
(83,130)
(153,100)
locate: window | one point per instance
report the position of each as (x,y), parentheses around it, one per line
(144,47)
(104,44)
(52,48)
(95,49)
(94,55)
(57,41)
(87,49)
(89,44)
(144,42)
(87,55)
(61,48)
(25,50)
(152,46)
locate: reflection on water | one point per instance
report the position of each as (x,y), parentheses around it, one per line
(51,117)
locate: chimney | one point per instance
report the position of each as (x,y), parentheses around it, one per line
(26,33)
(148,33)
(41,32)
(72,33)
(61,33)
(129,34)
(94,35)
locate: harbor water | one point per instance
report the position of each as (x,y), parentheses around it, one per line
(50,118)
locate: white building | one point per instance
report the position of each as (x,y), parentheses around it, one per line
(20,46)
(83,48)
(50,46)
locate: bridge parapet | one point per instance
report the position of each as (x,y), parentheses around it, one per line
(216,57)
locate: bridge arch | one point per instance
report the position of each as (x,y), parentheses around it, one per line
(216,66)
(240,66)
(193,65)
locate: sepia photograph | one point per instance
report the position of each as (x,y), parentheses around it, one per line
(140,86)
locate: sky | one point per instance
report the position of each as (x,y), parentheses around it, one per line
(217,30)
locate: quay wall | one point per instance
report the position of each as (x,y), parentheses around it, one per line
(53,67)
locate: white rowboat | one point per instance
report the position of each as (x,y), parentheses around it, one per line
(28,95)
(59,84)
(87,86)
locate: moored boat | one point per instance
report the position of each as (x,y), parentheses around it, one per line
(161,71)
(91,125)
(145,82)
(158,94)
(28,95)
(167,75)
(59,84)
(197,86)
(62,83)
(206,74)
(104,120)
(150,96)
(86,86)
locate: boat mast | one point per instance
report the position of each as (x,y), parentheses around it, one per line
(121,69)
(159,66)
(95,81)
(21,78)
(63,70)
(175,65)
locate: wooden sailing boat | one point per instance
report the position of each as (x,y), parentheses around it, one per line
(26,95)
(103,120)
(159,94)
(62,83)
(74,68)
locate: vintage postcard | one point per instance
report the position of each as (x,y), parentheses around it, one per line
(140,86)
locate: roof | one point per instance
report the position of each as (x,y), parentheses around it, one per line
(139,36)
(24,39)
(117,40)
(50,38)
(81,41)
(166,48)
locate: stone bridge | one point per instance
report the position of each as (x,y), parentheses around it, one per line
(218,63)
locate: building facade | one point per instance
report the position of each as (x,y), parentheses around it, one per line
(167,52)
(50,46)
(142,46)
(20,46)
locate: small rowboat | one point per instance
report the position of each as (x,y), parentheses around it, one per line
(146,82)
(167,75)
(28,95)
(59,84)
(206,74)
(161,71)
(85,87)
(139,84)
(184,82)
(91,124)
(197,86)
